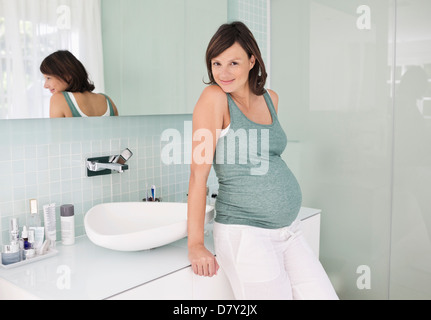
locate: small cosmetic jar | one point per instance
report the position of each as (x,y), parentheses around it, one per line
(30,253)
(10,254)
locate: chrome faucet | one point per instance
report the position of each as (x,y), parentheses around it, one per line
(99,166)
(105,165)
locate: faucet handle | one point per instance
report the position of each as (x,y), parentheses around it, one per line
(123,157)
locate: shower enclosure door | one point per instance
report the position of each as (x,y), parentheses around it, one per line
(333,65)
(354,80)
(411,215)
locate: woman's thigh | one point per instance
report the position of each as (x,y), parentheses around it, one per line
(251,262)
(270,264)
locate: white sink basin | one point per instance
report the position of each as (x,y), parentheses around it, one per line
(136,226)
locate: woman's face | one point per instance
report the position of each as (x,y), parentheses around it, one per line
(231,68)
(54,84)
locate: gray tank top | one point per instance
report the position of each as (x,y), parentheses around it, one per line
(76,111)
(256,188)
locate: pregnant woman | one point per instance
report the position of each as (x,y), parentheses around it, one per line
(257,238)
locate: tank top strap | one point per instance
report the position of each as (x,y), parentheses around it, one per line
(111,108)
(75,112)
(270,105)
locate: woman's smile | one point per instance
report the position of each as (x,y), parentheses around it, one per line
(226,82)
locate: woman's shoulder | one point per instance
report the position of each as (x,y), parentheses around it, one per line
(212,96)
(214,91)
(212,103)
(273,94)
(274,98)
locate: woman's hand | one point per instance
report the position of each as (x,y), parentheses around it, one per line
(203,262)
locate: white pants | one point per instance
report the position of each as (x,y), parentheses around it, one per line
(264,264)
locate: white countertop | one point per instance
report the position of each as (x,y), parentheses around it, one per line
(96,273)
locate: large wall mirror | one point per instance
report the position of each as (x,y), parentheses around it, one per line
(148,56)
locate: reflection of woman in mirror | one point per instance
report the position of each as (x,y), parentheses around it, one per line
(72,92)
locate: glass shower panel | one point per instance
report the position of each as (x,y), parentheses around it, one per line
(411,226)
(333,63)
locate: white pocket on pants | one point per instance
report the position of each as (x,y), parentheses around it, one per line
(256,258)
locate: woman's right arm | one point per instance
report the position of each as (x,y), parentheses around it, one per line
(207,121)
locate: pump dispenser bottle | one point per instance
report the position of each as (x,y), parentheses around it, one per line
(67,219)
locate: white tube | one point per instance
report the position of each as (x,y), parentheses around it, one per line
(50,223)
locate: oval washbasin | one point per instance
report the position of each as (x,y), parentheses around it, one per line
(135,226)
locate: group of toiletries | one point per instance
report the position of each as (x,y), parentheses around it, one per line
(36,240)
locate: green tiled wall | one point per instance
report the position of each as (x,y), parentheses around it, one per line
(45,160)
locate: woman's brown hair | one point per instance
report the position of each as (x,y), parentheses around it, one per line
(225,37)
(64,65)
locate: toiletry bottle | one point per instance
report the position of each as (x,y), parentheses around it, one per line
(24,236)
(14,231)
(67,219)
(39,237)
(30,252)
(34,219)
(50,224)
(21,250)
(35,225)
(153,192)
(10,254)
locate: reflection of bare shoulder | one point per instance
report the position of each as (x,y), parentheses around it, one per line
(58,97)
(114,107)
(58,107)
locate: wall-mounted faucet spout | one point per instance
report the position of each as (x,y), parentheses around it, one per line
(98,166)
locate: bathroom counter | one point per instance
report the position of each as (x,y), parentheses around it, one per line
(85,271)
